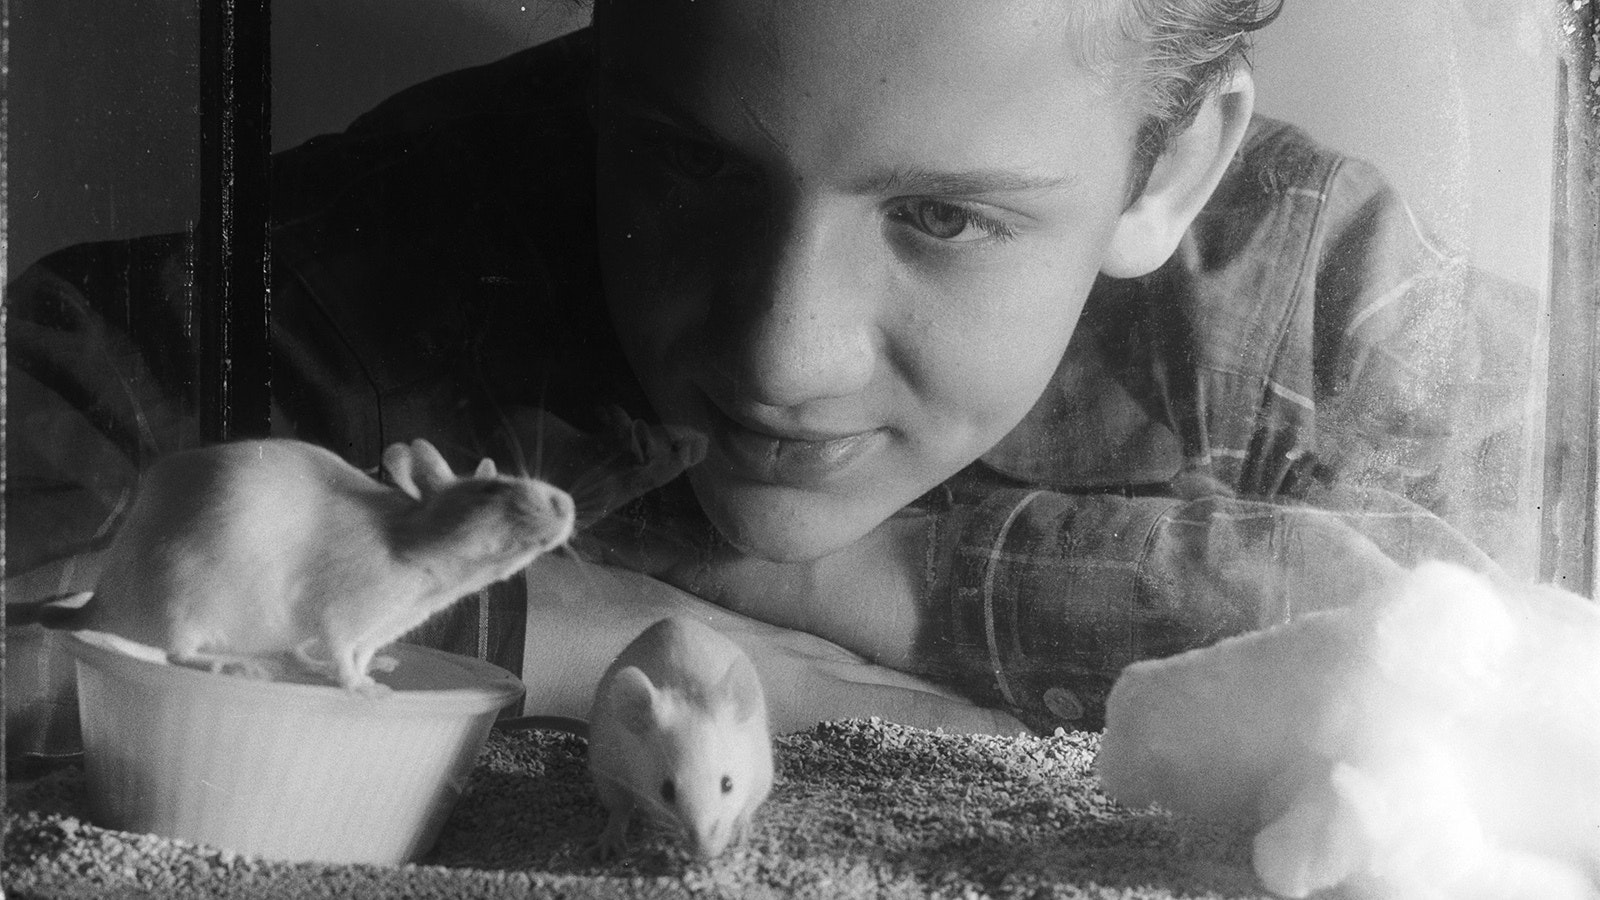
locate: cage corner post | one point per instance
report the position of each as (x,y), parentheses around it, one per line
(1571,506)
(233,263)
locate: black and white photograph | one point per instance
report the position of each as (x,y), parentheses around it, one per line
(1140,449)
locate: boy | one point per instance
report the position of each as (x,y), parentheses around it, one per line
(1020,352)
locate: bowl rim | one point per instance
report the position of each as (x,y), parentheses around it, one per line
(487,686)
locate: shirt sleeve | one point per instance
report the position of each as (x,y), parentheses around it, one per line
(1393,429)
(99,382)
(1037,599)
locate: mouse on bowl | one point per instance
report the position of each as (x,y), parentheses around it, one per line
(239,554)
(678,731)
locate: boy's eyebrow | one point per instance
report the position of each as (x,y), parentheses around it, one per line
(964,183)
(621,86)
(631,91)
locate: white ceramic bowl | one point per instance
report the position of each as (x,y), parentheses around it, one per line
(284,770)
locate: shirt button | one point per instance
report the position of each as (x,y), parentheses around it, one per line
(1063,703)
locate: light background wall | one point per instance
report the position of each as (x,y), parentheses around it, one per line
(1454,99)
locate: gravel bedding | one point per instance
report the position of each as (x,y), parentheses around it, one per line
(860,809)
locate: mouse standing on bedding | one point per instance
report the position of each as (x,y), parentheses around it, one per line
(678,730)
(236,553)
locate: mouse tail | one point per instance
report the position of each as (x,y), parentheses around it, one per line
(67,612)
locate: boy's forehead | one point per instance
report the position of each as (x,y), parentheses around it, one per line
(861,40)
(874,95)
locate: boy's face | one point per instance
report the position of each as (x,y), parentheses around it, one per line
(848,239)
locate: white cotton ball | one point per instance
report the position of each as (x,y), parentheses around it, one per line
(1201,732)
(1444,743)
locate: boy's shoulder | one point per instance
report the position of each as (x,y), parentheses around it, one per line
(553,75)
(1166,372)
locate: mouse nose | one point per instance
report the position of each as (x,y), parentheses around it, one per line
(708,841)
(563,515)
(561,504)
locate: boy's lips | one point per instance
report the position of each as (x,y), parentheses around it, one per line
(790,458)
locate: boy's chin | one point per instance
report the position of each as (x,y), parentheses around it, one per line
(788,525)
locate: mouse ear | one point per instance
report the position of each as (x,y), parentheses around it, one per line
(486,469)
(637,699)
(431,471)
(397,461)
(740,689)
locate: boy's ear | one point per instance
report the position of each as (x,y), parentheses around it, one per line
(1181,182)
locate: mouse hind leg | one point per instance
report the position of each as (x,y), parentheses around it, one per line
(237,664)
(355,662)
(195,649)
(305,655)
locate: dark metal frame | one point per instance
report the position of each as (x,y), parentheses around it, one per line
(233,252)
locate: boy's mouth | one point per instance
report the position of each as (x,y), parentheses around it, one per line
(791,459)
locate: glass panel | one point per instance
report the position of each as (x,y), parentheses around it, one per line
(104,136)
(1186,416)
(986,388)
(1457,104)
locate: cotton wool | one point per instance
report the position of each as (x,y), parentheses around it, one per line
(1442,741)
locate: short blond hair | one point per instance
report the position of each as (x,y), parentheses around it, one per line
(1168,56)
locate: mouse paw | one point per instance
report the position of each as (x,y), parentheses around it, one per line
(613,840)
(245,668)
(383,664)
(368,688)
(373,691)
(236,666)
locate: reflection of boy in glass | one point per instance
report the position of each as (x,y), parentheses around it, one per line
(1022,350)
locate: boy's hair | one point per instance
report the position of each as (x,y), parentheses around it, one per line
(1173,54)
(1188,48)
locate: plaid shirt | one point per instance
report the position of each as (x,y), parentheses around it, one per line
(1276,420)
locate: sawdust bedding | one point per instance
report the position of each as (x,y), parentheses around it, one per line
(860,809)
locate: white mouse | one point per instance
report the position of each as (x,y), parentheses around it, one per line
(678,730)
(238,553)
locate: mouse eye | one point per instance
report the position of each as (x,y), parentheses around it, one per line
(727,785)
(669,791)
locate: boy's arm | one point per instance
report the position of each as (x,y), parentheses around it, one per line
(100,381)
(581,614)
(1042,598)
(1032,601)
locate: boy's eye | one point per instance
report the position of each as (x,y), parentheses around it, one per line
(690,158)
(950,222)
(693,159)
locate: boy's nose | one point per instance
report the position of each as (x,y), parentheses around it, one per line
(801,316)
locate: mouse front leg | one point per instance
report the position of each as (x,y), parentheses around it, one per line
(613,840)
(741,829)
(618,802)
